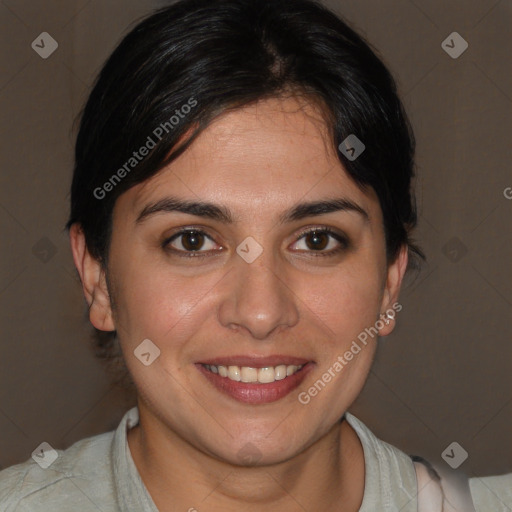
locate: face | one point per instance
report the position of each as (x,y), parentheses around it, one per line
(271,276)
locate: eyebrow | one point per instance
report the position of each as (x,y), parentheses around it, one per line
(222,214)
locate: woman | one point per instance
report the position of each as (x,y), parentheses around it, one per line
(241,221)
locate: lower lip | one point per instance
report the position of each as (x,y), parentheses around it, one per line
(256,392)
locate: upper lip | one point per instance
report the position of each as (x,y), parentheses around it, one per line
(255,361)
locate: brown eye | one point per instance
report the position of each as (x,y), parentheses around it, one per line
(317,240)
(321,242)
(190,241)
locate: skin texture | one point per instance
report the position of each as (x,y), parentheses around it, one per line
(258,162)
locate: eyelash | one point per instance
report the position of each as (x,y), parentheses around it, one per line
(341,239)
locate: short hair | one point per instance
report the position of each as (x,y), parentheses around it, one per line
(187,63)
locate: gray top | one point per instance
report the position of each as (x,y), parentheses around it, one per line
(98,474)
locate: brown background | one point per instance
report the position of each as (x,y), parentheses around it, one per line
(445,373)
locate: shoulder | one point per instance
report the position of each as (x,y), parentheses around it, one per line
(66,481)
(390,477)
(492,493)
(398,481)
(379,452)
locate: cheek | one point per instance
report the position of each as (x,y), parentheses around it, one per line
(155,303)
(347,301)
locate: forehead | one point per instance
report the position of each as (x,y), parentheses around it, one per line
(274,152)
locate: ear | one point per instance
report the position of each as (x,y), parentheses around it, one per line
(395,274)
(93,280)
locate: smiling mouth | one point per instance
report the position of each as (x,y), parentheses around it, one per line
(259,383)
(264,375)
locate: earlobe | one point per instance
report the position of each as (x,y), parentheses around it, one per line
(390,307)
(93,280)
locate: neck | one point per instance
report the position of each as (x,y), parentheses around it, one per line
(328,475)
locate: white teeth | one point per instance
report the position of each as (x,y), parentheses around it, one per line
(280,372)
(290,370)
(249,374)
(266,375)
(234,373)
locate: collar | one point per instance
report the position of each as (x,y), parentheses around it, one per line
(390,479)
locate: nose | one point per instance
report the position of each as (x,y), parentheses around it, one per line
(258,297)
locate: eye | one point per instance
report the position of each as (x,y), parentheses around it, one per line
(324,241)
(189,241)
(193,242)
